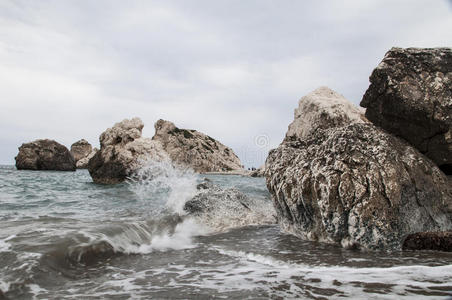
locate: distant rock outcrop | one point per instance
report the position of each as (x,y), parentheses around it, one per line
(410,95)
(81,149)
(258,172)
(195,149)
(122,151)
(82,152)
(83,162)
(353,183)
(44,155)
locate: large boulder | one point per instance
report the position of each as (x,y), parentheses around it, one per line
(122,151)
(194,149)
(322,109)
(410,95)
(356,185)
(44,155)
(81,149)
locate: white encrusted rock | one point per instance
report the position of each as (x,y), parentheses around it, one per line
(322,109)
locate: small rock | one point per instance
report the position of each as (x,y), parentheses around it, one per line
(81,149)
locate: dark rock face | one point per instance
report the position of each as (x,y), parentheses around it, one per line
(81,149)
(440,241)
(410,95)
(358,186)
(44,155)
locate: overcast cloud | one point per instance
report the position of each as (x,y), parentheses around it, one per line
(231,69)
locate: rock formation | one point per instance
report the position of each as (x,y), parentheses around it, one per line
(122,151)
(195,149)
(223,209)
(82,152)
(322,109)
(410,95)
(353,183)
(81,149)
(44,155)
(83,162)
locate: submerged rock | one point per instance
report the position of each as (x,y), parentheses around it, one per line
(228,208)
(122,152)
(81,149)
(356,185)
(44,155)
(194,149)
(410,96)
(440,241)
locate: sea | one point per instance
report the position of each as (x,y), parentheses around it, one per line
(64,237)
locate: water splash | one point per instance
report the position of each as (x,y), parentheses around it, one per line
(164,184)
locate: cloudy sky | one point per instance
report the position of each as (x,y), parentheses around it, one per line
(232,69)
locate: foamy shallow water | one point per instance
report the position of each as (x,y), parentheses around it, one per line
(63,237)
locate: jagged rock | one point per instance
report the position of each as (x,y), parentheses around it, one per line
(81,149)
(122,152)
(322,109)
(83,162)
(356,185)
(44,155)
(410,95)
(439,241)
(228,208)
(195,149)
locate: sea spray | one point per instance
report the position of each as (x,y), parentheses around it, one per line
(165,183)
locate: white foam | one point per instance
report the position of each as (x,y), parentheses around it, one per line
(182,237)
(4,245)
(398,278)
(177,185)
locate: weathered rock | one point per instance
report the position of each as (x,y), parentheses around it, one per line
(223,209)
(122,152)
(323,109)
(356,185)
(195,149)
(83,162)
(44,155)
(410,95)
(439,241)
(81,149)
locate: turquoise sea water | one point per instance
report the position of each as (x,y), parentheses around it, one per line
(64,237)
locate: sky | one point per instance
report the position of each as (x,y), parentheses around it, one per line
(233,69)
